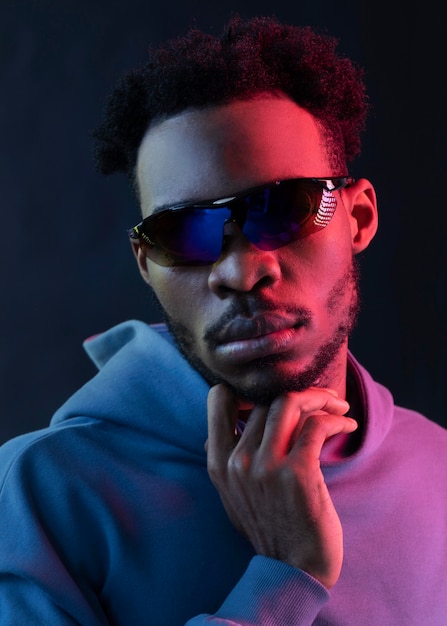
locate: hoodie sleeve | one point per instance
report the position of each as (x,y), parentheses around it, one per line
(271,593)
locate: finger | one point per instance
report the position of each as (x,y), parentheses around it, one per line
(334,392)
(322,399)
(315,430)
(253,432)
(222,418)
(287,413)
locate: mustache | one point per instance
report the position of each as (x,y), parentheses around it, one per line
(254,312)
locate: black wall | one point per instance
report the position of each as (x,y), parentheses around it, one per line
(66,265)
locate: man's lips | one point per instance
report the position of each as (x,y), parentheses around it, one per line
(246,339)
(241,328)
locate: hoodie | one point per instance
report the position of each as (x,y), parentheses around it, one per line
(108,516)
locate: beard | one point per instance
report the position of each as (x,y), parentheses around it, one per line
(316,374)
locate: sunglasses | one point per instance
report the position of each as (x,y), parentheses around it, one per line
(270,216)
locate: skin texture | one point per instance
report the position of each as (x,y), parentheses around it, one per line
(299,303)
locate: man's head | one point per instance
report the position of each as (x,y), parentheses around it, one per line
(265,318)
(250,57)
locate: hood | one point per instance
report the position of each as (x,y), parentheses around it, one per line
(142,382)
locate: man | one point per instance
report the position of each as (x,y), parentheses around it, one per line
(240,467)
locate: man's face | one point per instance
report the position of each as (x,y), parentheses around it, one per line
(263,321)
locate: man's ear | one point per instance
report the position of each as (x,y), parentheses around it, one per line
(141,259)
(361,202)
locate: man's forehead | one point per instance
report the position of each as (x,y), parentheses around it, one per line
(208,153)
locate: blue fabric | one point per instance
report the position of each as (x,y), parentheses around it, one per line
(108,515)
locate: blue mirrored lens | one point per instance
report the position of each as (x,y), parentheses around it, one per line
(190,236)
(276,216)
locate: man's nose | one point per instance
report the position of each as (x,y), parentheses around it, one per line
(242,266)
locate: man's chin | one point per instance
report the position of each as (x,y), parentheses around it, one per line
(272,381)
(263,380)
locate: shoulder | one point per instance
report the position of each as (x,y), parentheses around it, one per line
(29,454)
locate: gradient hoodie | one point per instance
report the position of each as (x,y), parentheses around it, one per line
(108,517)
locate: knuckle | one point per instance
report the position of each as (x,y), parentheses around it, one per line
(288,476)
(239,463)
(213,469)
(315,421)
(261,473)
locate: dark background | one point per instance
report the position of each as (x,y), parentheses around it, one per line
(66,267)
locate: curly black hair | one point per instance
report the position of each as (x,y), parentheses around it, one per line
(252,56)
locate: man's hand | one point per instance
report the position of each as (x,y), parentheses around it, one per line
(269,478)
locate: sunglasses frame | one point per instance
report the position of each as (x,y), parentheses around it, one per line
(329,184)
